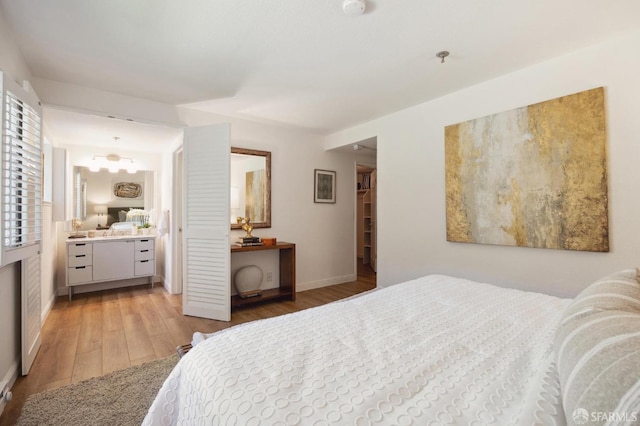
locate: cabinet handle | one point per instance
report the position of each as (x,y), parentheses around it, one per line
(78,244)
(144,241)
(143,261)
(81,255)
(80,267)
(144,251)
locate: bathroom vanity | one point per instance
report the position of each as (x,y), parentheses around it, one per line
(101,259)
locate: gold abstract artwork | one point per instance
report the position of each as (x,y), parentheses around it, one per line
(127,190)
(534,176)
(255,184)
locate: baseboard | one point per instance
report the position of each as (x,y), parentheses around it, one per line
(9,378)
(47,309)
(325,283)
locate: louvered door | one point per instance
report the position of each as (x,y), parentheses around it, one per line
(30,311)
(205,237)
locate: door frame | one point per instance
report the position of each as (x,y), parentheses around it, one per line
(176,222)
(357,163)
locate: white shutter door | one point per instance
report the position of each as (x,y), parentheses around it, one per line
(205,231)
(30,311)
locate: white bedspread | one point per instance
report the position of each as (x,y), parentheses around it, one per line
(436,350)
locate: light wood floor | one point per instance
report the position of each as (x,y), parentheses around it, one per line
(100,332)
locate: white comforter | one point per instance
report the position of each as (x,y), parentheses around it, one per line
(436,350)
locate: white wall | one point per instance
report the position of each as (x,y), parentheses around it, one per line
(411,187)
(48,260)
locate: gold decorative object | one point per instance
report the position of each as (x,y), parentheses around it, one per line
(247,227)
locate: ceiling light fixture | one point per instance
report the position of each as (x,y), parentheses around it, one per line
(358,147)
(353,7)
(113,163)
(442,55)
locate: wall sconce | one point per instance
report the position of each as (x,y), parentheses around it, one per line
(113,163)
(100,210)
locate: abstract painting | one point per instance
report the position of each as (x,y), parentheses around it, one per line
(255,206)
(534,176)
(325,186)
(127,190)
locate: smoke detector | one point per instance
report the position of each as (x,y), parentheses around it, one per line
(353,7)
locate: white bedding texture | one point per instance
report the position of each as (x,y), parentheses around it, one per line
(436,350)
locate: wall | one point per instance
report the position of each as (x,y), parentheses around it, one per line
(48,259)
(412,240)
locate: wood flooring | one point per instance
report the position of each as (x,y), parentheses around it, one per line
(100,332)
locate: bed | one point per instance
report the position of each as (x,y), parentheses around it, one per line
(119,214)
(435,350)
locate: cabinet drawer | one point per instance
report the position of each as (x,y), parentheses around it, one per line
(144,254)
(145,267)
(80,260)
(79,275)
(145,244)
(80,248)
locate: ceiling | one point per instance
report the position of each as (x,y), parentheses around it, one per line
(300,63)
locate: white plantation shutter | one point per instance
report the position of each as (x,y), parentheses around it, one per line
(20,226)
(206,250)
(31,321)
(21,201)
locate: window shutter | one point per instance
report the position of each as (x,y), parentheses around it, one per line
(21,224)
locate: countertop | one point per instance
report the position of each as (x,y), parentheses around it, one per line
(99,238)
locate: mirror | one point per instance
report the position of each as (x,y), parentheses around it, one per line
(250,187)
(99,198)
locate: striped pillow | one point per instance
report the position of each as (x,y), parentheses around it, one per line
(598,352)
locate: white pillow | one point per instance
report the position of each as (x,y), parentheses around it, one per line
(598,352)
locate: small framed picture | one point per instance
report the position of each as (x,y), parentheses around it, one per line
(325,186)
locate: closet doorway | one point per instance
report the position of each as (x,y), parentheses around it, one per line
(366,221)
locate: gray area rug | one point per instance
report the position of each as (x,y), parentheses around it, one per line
(119,398)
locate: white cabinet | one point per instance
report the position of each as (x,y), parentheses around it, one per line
(109,259)
(113,260)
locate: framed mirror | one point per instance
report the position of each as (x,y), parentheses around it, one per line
(97,202)
(250,187)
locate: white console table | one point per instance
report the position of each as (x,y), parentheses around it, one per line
(94,260)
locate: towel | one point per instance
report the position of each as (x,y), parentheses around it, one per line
(163,223)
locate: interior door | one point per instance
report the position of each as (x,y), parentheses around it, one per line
(31,311)
(205,218)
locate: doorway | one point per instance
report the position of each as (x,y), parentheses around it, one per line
(366,247)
